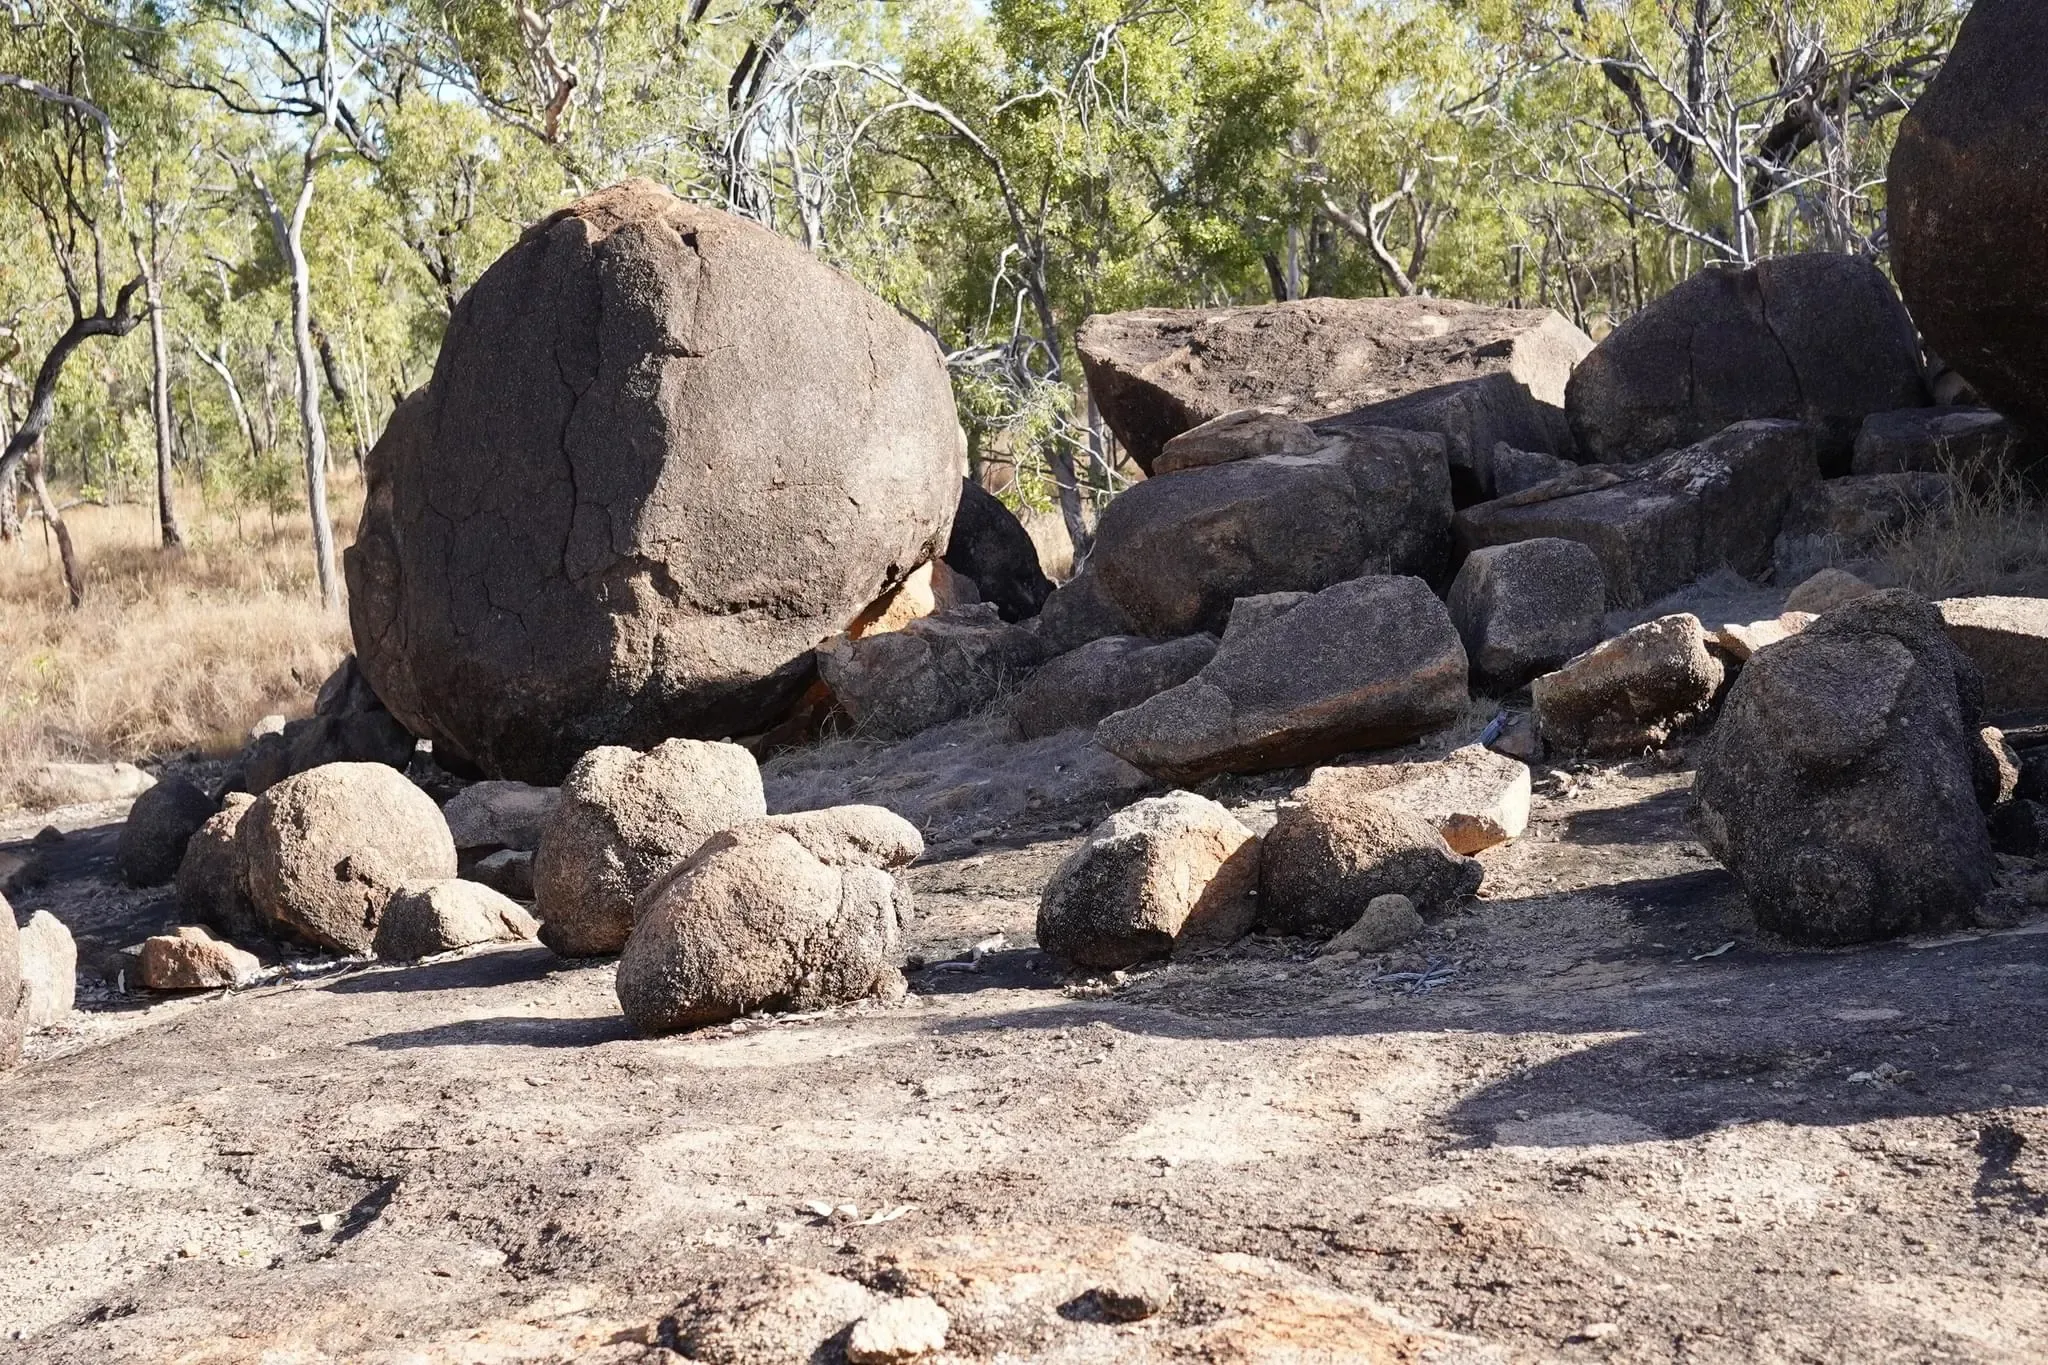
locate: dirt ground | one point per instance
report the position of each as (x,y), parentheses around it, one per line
(1617,1125)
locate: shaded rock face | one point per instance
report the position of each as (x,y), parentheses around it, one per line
(1475,417)
(1525,608)
(1630,693)
(1975,444)
(758,919)
(1079,611)
(992,549)
(1816,338)
(1841,520)
(11,1024)
(213,877)
(1169,870)
(315,741)
(159,825)
(622,821)
(494,815)
(326,849)
(1665,522)
(2007,639)
(1105,676)
(1158,372)
(424,918)
(1364,664)
(1341,846)
(1967,206)
(936,669)
(1174,552)
(1838,785)
(663,454)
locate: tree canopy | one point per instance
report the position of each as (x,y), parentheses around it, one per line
(340,171)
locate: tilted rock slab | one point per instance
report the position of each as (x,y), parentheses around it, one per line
(793,912)
(1631,693)
(1158,372)
(1838,785)
(1169,870)
(623,820)
(1365,664)
(1174,552)
(1661,524)
(1976,443)
(1103,677)
(1843,520)
(1817,338)
(190,959)
(1472,796)
(663,454)
(1525,608)
(1966,204)
(327,847)
(2007,639)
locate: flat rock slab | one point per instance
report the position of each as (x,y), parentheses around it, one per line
(1474,797)
(2007,638)
(1158,372)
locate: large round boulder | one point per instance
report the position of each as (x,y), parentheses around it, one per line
(1839,785)
(1968,208)
(328,847)
(664,453)
(159,825)
(1816,338)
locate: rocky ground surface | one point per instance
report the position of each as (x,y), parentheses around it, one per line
(1595,1116)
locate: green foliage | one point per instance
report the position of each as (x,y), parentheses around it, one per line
(998,170)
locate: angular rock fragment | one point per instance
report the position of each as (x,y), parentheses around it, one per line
(1104,676)
(991,548)
(1245,434)
(509,872)
(1840,520)
(1839,783)
(425,918)
(49,969)
(1158,372)
(160,823)
(1340,847)
(1476,418)
(2020,829)
(1819,339)
(1079,611)
(623,820)
(1996,768)
(1632,692)
(1171,870)
(315,741)
(1388,922)
(1661,524)
(936,669)
(494,815)
(757,920)
(1740,640)
(327,847)
(1515,471)
(1473,797)
(1174,553)
(2007,639)
(193,960)
(1524,608)
(1827,590)
(664,452)
(1364,664)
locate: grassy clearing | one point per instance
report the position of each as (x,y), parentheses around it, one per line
(170,651)
(1994,544)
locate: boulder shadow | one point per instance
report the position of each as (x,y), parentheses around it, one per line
(495,967)
(508,1031)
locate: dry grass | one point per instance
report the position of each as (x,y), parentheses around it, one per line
(1994,543)
(170,651)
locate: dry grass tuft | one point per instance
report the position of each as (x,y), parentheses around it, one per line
(1994,544)
(170,651)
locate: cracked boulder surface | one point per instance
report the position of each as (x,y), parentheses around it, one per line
(663,454)
(1816,338)
(1969,206)
(1157,372)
